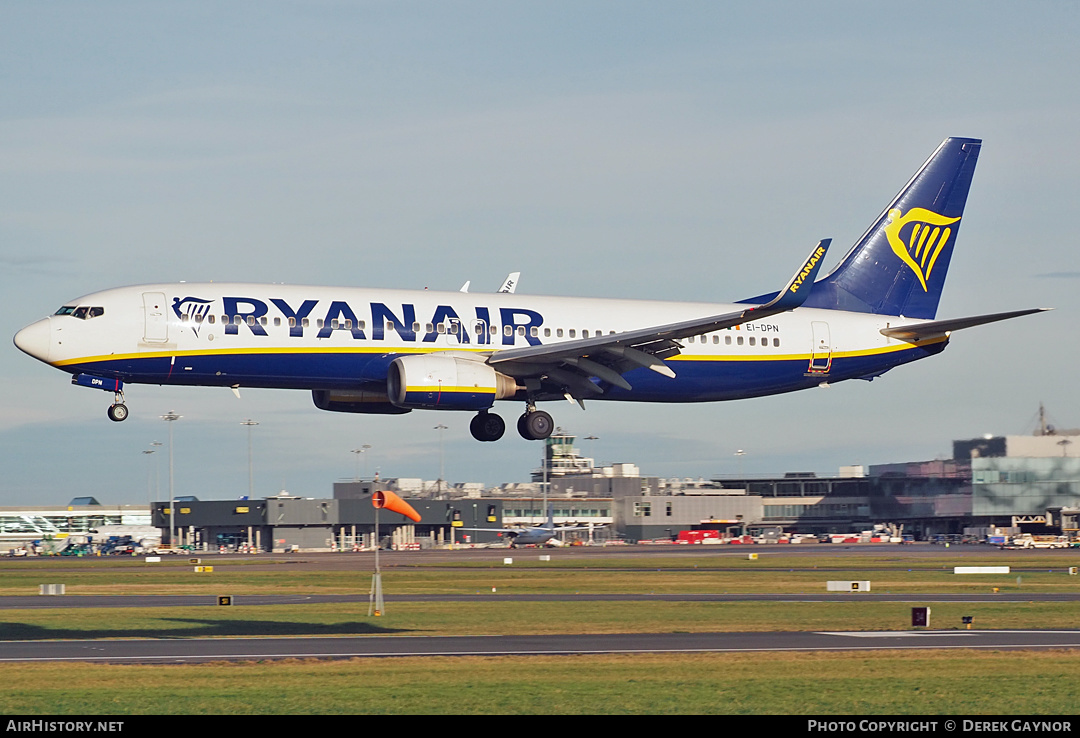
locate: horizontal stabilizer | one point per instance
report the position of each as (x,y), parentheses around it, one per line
(933,329)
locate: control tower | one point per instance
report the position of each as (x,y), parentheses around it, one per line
(561,459)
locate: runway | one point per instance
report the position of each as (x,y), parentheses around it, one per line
(45,602)
(198,650)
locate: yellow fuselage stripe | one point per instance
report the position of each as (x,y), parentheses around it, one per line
(406,350)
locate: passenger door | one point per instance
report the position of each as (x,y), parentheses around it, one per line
(157,323)
(821,352)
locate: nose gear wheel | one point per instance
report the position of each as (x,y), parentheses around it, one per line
(118,411)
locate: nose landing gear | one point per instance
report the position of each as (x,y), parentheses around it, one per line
(118,410)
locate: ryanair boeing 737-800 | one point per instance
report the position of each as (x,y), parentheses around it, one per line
(394,351)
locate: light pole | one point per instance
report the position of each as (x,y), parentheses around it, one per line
(360,452)
(739,453)
(442,462)
(154,446)
(591,437)
(544,484)
(170,417)
(149,474)
(251,467)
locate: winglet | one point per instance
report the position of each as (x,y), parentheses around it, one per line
(509,284)
(798,289)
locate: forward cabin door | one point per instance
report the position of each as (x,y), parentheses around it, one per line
(157,323)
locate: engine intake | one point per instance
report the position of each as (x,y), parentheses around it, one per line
(441,382)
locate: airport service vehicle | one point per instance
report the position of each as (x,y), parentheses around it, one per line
(709,537)
(387,351)
(1027,540)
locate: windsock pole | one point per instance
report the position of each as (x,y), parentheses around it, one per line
(389,500)
(375,597)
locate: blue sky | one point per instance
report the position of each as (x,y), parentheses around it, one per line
(657,150)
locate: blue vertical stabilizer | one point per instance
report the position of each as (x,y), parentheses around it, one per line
(898,267)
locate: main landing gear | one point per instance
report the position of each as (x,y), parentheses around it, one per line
(118,410)
(533,425)
(487,426)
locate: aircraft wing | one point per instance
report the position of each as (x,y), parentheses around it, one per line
(567,368)
(935,328)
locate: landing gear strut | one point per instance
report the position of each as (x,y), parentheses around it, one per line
(487,426)
(118,410)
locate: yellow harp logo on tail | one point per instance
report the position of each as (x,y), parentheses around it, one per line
(919,245)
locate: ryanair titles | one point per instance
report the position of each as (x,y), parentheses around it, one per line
(807,268)
(250,314)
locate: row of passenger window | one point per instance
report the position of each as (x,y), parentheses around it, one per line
(751,340)
(442,328)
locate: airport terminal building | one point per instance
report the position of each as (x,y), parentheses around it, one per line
(1000,482)
(1023,483)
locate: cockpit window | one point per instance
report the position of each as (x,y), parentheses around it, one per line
(82,312)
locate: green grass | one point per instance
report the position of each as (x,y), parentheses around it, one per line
(883,683)
(775,573)
(910,682)
(507,618)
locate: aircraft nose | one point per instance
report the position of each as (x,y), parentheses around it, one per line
(35,339)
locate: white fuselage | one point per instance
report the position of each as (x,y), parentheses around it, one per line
(302,337)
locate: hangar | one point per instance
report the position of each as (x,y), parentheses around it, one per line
(289,523)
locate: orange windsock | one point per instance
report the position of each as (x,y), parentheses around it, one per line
(395,504)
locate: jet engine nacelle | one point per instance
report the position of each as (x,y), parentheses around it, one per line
(442,382)
(355,401)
